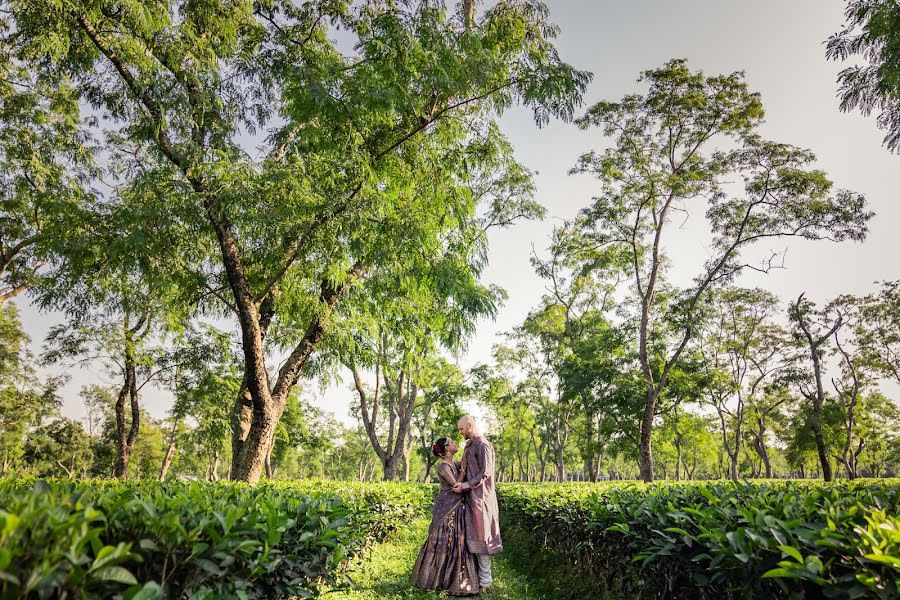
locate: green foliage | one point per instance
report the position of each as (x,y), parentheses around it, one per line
(44,160)
(25,402)
(872,32)
(878,329)
(60,448)
(680,148)
(379,162)
(790,539)
(152,540)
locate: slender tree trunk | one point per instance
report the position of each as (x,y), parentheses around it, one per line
(850,397)
(818,398)
(170,453)
(469,13)
(645,460)
(818,434)
(560,457)
(212,472)
(759,443)
(677,457)
(125,440)
(167,461)
(270,469)
(405,462)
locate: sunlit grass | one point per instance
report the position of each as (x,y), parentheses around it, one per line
(384,573)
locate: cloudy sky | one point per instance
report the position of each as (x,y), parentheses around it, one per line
(779,45)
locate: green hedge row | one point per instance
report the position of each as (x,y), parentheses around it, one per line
(770,539)
(143,539)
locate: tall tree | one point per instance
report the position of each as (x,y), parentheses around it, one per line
(849,389)
(663,162)
(766,408)
(879,421)
(741,343)
(815,330)
(118,335)
(583,347)
(335,193)
(395,397)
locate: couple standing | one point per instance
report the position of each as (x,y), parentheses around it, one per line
(464,531)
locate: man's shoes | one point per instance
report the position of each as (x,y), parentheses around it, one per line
(487,588)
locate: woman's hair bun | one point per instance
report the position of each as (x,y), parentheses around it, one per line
(439,447)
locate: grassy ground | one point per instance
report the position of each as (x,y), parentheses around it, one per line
(384,574)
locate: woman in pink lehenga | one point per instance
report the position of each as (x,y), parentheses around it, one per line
(444,562)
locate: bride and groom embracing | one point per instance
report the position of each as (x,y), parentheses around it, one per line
(465,529)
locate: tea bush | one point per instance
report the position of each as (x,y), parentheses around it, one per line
(143,539)
(385,506)
(768,539)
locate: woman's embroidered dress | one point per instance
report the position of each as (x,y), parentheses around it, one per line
(444,562)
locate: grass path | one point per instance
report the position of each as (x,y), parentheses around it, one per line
(384,574)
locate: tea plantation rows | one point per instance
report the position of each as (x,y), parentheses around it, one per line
(142,539)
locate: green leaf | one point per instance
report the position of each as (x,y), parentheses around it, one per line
(150,591)
(115,573)
(106,554)
(792,552)
(891,561)
(779,573)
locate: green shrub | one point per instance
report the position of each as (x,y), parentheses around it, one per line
(143,539)
(385,506)
(721,539)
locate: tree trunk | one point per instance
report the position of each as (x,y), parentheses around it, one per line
(241,414)
(390,469)
(250,461)
(469,13)
(170,452)
(818,399)
(270,469)
(429,462)
(759,443)
(212,472)
(253,427)
(560,464)
(678,461)
(167,461)
(822,450)
(125,440)
(645,460)
(406,466)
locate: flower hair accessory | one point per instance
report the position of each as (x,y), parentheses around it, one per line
(439,447)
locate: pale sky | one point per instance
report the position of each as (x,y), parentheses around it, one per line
(779,44)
